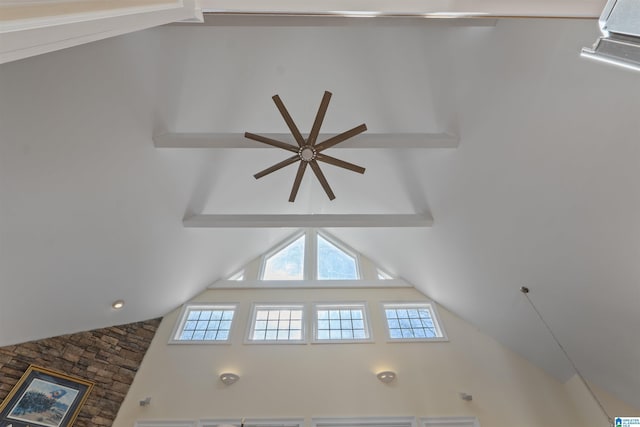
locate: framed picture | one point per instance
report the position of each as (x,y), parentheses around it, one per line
(44,398)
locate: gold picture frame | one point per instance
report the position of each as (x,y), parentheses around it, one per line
(44,398)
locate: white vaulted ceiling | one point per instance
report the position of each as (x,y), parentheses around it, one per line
(542,190)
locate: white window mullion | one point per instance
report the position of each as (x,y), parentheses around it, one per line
(311,255)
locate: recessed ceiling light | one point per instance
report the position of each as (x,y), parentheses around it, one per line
(117,305)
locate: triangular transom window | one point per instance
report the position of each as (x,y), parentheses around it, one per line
(287,263)
(312,256)
(334,263)
(309,258)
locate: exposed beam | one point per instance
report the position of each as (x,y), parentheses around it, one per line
(323,19)
(324,284)
(302,221)
(365,140)
(426,9)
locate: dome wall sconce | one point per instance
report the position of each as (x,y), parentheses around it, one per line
(229,378)
(386,376)
(117,305)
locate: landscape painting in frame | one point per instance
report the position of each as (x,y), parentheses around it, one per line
(44,398)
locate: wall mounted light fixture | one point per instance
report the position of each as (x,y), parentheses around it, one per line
(229,378)
(386,376)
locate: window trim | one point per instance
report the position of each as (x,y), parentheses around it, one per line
(430,305)
(182,319)
(144,423)
(279,305)
(253,422)
(450,421)
(364,422)
(345,305)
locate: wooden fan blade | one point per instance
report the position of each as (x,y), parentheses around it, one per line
(277,166)
(323,181)
(341,137)
(270,141)
(322,110)
(297,181)
(339,163)
(289,121)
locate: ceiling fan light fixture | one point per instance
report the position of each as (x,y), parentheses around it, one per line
(308,152)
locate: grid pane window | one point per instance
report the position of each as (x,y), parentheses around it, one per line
(206,324)
(411,321)
(277,324)
(341,323)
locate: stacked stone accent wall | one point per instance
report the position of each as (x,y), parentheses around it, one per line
(109,357)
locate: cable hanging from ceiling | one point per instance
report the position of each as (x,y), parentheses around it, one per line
(525,292)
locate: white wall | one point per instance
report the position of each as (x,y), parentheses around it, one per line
(588,407)
(339,379)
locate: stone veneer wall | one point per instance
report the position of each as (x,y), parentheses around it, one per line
(109,357)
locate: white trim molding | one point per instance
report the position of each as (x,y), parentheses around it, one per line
(426,9)
(30,37)
(364,422)
(254,422)
(449,422)
(166,423)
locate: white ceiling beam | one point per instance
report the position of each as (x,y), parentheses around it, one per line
(365,140)
(324,284)
(224,19)
(303,221)
(427,9)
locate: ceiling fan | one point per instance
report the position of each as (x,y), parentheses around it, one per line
(308,152)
